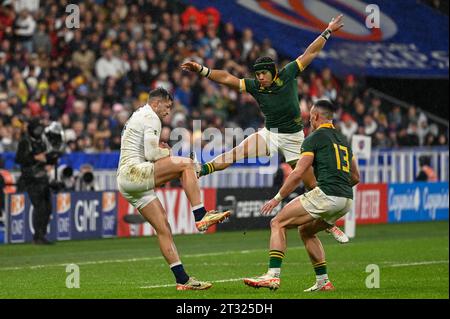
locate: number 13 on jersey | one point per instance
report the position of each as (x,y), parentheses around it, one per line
(342,156)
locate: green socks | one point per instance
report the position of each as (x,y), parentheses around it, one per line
(207,168)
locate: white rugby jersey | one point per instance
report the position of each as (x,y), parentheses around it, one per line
(140,138)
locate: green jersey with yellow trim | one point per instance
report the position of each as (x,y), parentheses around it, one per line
(332,160)
(279,103)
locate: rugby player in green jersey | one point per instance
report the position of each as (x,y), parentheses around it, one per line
(328,152)
(276,92)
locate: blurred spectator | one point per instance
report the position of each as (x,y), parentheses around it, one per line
(370,126)
(268,50)
(84,58)
(109,66)
(427,173)
(184,93)
(407,139)
(41,39)
(442,140)
(348,126)
(359,112)
(395,117)
(7,16)
(382,140)
(91,78)
(24,28)
(246,42)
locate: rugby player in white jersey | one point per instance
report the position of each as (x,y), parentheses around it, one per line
(145,164)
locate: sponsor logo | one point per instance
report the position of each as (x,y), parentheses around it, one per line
(17,221)
(402,202)
(17,204)
(434,201)
(313,16)
(86,214)
(369,204)
(109,216)
(246,208)
(63,203)
(108,201)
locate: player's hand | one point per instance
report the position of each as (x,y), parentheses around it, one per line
(191,66)
(336,23)
(269,206)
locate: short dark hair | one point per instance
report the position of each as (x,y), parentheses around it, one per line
(161,93)
(326,104)
(328,108)
(424,160)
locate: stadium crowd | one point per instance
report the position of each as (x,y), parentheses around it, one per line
(92,76)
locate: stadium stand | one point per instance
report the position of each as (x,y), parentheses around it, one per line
(91,78)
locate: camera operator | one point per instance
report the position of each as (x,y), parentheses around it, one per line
(31,155)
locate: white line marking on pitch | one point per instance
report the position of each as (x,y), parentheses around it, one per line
(172,285)
(420,263)
(110,261)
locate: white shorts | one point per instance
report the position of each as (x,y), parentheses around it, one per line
(289,144)
(328,208)
(136,183)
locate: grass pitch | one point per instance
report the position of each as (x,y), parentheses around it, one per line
(412,258)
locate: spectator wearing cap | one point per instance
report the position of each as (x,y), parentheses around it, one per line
(348,126)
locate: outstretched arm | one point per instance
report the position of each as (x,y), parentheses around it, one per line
(314,48)
(290,184)
(219,76)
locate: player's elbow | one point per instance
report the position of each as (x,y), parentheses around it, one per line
(355,179)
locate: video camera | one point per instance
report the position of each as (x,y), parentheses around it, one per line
(53,138)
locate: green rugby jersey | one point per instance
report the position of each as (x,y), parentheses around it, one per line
(332,160)
(279,103)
